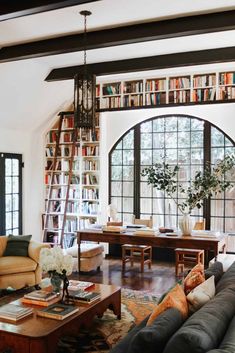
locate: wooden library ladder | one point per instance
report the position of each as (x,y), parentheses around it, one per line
(60,228)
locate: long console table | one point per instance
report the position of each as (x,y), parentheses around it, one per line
(207,243)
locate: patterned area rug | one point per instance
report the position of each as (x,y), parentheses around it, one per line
(107,331)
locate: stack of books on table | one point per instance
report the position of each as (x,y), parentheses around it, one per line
(58,311)
(79,285)
(41,297)
(83,296)
(13,313)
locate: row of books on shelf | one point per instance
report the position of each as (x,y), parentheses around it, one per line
(207,94)
(155,98)
(155,85)
(133,100)
(89,179)
(133,87)
(90,150)
(204,80)
(179,96)
(56,193)
(111,102)
(180,82)
(227,93)
(111,89)
(227,78)
(85,222)
(90,194)
(91,164)
(91,135)
(71,225)
(89,207)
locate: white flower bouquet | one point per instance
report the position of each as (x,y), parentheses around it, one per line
(54,261)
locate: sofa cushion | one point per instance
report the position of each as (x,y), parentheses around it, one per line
(194,278)
(153,338)
(17,245)
(216,269)
(205,329)
(227,280)
(201,294)
(16,264)
(174,299)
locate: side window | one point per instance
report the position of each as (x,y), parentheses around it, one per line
(10,193)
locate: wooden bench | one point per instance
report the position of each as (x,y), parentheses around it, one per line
(187,257)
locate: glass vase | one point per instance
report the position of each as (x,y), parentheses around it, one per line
(56,282)
(185,224)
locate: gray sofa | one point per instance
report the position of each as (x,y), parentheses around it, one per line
(211,329)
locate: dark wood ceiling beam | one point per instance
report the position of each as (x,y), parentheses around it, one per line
(171,28)
(13,9)
(200,57)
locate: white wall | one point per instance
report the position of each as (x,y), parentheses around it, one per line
(13,141)
(115,124)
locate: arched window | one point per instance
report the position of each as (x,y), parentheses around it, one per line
(187,141)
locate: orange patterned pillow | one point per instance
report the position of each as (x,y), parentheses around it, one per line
(194,278)
(174,299)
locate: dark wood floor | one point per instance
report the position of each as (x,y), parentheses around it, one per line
(157,280)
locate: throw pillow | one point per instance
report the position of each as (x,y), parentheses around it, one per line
(17,245)
(194,278)
(174,299)
(201,294)
(153,338)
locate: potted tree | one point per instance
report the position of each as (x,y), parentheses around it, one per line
(205,184)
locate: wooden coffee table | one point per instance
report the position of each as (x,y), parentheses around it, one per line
(41,335)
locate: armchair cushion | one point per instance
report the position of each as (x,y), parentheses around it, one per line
(16,264)
(17,245)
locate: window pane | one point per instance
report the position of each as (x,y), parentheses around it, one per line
(8,185)
(146,127)
(158,125)
(183,124)
(15,167)
(196,156)
(158,206)
(8,169)
(217,137)
(8,203)
(217,154)
(145,190)
(197,124)
(183,139)
(184,156)
(15,199)
(128,188)
(146,141)
(117,157)
(127,204)
(8,220)
(128,157)
(146,205)
(171,124)
(116,173)
(128,173)
(15,184)
(171,156)
(15,219)
(146,157)
(197,139)
(171,140)
(128,141)
(158,141)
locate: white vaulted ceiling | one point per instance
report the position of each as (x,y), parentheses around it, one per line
(27,101)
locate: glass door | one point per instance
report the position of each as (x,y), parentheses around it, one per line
(10,193)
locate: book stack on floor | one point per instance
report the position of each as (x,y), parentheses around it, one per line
(14,313)
(41,297)
(58,311)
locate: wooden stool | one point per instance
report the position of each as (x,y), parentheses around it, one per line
(187,257)
(132,252)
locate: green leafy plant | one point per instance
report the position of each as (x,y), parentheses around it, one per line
(205,184)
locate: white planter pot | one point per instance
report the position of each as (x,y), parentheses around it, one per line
(185,224)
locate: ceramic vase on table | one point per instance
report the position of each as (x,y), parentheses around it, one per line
(56,282)
(185,224)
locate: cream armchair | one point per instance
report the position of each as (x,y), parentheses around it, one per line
(19,271)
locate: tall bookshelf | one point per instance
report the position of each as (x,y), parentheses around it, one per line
(156,91)
(72,197)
